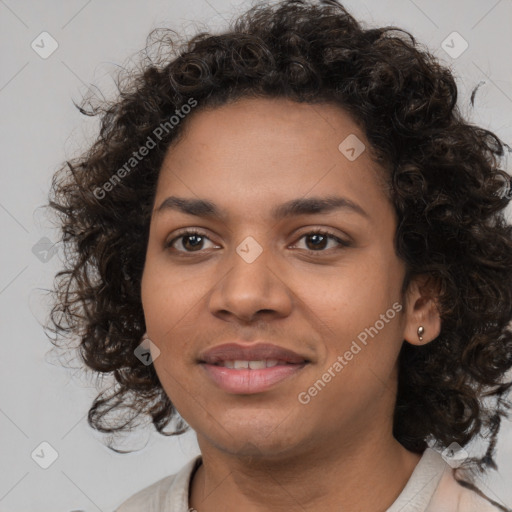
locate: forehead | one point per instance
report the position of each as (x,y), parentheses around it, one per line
(255,149)
(273,122)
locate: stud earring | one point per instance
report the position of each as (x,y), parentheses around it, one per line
(421,331)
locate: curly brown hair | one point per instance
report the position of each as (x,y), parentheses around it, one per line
(444,180)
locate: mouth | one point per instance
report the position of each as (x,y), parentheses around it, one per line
(250,369)
(252,365)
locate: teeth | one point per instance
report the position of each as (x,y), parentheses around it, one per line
(253,365)
(257,365)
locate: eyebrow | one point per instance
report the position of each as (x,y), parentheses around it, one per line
(294,207)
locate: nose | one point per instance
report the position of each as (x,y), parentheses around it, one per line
(251,290)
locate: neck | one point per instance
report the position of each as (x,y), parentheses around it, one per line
(367,476)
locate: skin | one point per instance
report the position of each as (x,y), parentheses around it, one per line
(336,452)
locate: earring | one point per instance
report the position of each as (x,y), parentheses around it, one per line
(421,331)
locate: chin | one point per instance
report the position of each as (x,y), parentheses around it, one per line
(269,439)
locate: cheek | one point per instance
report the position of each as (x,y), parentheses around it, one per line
(166,292)
(352,295)
(359,312)
(165,312)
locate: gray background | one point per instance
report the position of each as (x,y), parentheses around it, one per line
(40,128)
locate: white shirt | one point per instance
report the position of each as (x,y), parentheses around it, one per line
(431,488)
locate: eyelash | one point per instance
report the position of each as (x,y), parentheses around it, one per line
(322,232)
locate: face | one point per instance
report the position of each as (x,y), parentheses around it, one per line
(321,282)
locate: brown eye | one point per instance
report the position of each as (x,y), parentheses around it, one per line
(317,241)
(191,241)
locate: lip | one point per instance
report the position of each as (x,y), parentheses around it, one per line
(247,381)
(253,352)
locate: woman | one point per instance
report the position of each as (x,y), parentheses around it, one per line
(287,236)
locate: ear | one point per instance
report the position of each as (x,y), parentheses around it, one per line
(421,310)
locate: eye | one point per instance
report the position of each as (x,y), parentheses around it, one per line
(319,238)
(193,241)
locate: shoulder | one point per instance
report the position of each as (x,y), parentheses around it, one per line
(148,499)
(451,496)
(167,494)
(433,487)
